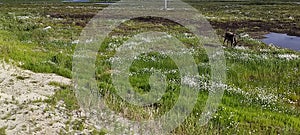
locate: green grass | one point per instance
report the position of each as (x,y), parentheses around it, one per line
(66,94)
(2,131)
(21,77)
(264,80)
(263,92)
(101,132)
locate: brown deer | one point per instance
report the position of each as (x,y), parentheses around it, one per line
(230,37)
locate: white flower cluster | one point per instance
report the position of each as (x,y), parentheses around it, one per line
(288,56)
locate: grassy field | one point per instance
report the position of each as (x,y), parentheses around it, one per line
(262,93)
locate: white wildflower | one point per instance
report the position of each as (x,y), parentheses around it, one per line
(47,28)
(241,48)
(23,17)
(288,56)
(89,40)
(75,42)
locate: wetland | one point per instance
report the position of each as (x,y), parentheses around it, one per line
(262,88)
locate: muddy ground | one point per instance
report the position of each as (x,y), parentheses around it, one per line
(258,28)
(255,28)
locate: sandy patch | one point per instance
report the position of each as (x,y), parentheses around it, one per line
(20,112)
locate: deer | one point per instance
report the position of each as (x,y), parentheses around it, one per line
(230,37)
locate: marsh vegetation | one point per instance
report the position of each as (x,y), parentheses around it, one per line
(262,93)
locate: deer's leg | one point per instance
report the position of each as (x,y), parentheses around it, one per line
(235,42)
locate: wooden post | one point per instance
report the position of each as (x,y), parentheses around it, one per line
(166,4)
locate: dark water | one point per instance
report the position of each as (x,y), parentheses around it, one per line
(76,1)
(283,40)
(104,3)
